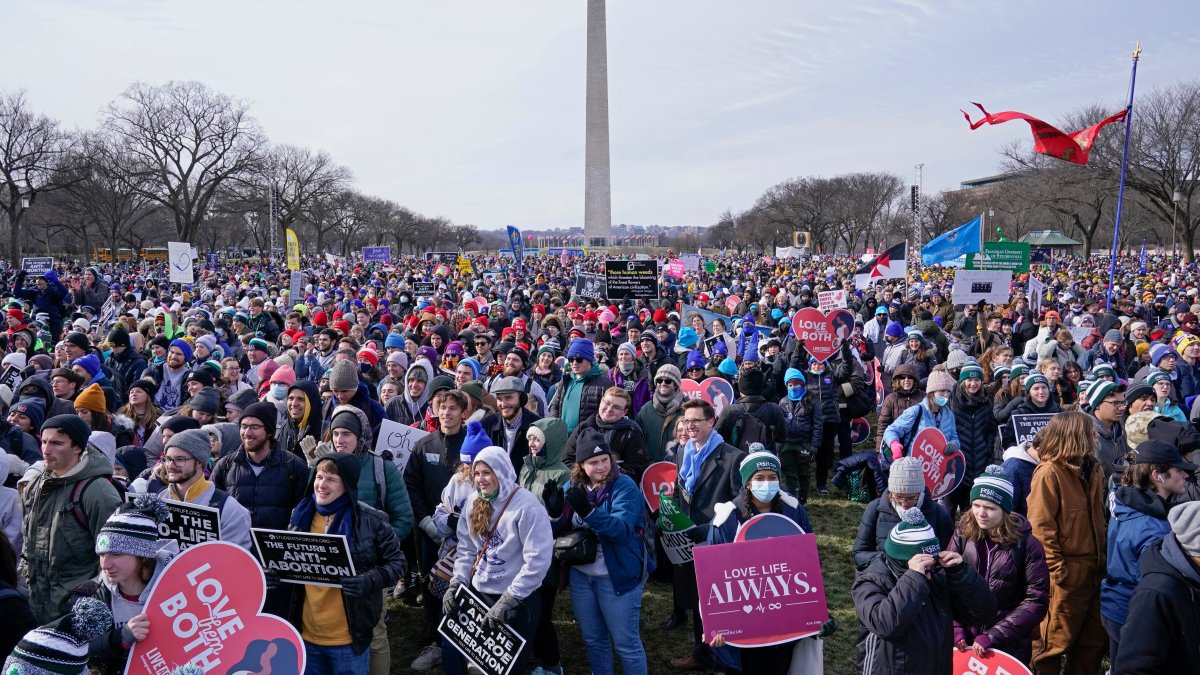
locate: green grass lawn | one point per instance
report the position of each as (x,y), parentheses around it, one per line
(835,521)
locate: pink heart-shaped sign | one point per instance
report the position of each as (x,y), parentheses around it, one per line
(822,333)
(716,390)
(658,478)
(204,610)
(943,472)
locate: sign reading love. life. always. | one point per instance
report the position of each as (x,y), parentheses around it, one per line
(942,471)
(822,333)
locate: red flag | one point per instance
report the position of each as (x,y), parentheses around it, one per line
(891,264)
(1048,140)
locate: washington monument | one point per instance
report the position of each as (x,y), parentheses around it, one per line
(597,189)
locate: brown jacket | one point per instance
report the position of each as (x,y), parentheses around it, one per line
(895,402)
(1066,511)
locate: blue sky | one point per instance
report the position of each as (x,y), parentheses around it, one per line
(474,110)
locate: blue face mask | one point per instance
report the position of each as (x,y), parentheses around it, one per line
(796,393)
(764,490)
(107,354)
(941,400)
(279,391)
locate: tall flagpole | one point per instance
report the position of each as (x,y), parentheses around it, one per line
(1112,267)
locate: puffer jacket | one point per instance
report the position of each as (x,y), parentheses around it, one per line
(595,383)
(1163,630)
(824,394)
(908,620)
(805,423)
(1139,520)
(59,553)
(976,429)
(897,402)
(1022,595)
(615,520)
(269,495)
(879,518)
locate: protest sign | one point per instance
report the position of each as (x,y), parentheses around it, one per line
(675,530)
(761,592)
(990,286)
(691,261)
(399,440)
(189,524)
(1025,427)
(996,663)
(659,478)
(631,279)
(1000,255)
(11,377)
(822,333)
(732,302)
(491,649)
(304,557)
(179,254)
(710,266)
(716,390)
(449,257)
(766,526)
(828,301)
(38,266)
(296,288)
(1037,291)
(424,289)
(943,472)
(675,269)
(381,254)
(1078,333)
(205,611)
(590,286)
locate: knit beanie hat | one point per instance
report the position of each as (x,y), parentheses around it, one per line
(209,341)
(1157,376)
(61,647)
(536,432)
(758,461)
(1114,335)
(33,408)
(89,362)
(240,400)
(751,382)
(939,380)
(343,376)
(970,371)
(118,338)
(194,442)
(581,347)
(1035,378)
(670,372)
(591,443)
(346,419)
(726,367)
(894,329)
(184,346)
(206,400)
(133,528)
(1185,525)
(91,398)
(146,385)
(1158,351)
(71,425)
(264,412)
(912,535)
(1097,393)
(956,359)
(132,458)
(1018,370)
(475,441)
(905,476)
(995,486)
(261,345)
(1101,370)
(695,360)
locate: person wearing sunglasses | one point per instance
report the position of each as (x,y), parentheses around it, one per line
(577,396)
(657,419)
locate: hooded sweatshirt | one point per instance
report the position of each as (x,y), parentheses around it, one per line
(404,408)
(514,559)
(537,471)
(1019,465)
(394,502)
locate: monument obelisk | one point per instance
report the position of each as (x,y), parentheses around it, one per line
(597,188)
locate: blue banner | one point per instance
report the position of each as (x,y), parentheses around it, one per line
(514,238)
(955,243)
(1142,258)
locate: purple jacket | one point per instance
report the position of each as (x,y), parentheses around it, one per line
(1022,599)
(640,393)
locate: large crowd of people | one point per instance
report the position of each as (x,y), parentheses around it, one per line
(541,411)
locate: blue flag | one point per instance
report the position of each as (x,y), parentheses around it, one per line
(1142,258)
(955,243)
(514,238)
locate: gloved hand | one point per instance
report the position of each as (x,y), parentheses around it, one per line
(698,534)
(309,445)
(323,450)
(828,628)
(272,579)
(897,449)
(578,499)
(503,611)
(430,529)
(359,586)
(450,599)
(452,522)
(552,497)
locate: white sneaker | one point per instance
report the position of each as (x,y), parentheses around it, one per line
(429,657)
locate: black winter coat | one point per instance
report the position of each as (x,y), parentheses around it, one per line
(1162,632)
(805,423)
(269,495)
(624,438)
(428,470)
(976,430)
(907,621)
(879,519)
(128,366)
(768,413)
(719,482)
(493,426)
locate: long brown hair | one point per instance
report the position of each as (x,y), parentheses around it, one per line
(1070,438)
(1140,475)
(481,517)
(580,477)
(1005,533)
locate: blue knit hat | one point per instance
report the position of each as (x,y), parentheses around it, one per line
(687,337)
(475,441)
(793,374)
(90,363)
(728,367)
(582,348)
(894,329)
(184,346)
(695,360)
(393,341)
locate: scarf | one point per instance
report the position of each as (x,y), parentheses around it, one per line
(693,459)
(668,405)
(198,488)
(340,508)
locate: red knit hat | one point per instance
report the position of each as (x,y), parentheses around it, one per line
(660,315)
(342,327)
(321,319)
(367,354)
(519,324)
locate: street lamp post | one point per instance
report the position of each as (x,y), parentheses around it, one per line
(1175,197)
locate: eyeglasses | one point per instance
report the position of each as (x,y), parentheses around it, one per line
(1117,403)
(663,380)
(693,421)
(905,498)
(577,359)
(177,461)
(482,343)
(252,427)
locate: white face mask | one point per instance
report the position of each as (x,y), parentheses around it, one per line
(279,390)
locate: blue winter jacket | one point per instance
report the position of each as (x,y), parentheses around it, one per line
(617,520)
(907,426)
(1139,520)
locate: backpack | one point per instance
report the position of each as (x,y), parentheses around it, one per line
(75,505)
(748,429)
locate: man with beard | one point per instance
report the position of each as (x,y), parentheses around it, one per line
(657,419)
(186,455)
(513,365)
(624,436)
(653,356)
(268,481)
(169,375)
(310,366)
(258,351)
(507,427)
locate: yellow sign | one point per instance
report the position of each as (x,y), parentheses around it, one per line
(464,265)
(293,250)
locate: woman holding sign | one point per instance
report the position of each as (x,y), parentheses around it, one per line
(932,412)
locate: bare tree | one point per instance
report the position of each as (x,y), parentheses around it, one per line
(186,141)
(465,235)
(302,178)
(34,151)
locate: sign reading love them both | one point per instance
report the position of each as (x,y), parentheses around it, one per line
(822,333)
(765,588)
(942,471)
(205,611)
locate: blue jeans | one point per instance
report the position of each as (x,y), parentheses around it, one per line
(608,621)
(339,660)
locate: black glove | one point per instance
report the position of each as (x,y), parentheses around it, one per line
(552,497)
(828,628)
(698,534)
(272,579)
(452,522)
(578,499)
(359,586)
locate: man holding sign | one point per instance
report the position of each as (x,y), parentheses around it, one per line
(185,457)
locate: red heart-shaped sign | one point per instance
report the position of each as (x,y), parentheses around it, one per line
(204,610)
(659,477)
(822,333)
(943,472)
